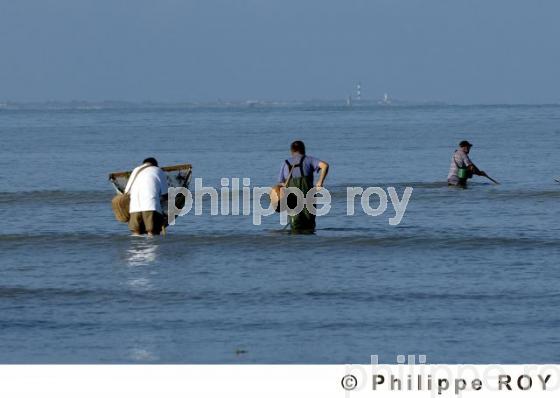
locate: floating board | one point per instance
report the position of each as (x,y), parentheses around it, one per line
(177,176)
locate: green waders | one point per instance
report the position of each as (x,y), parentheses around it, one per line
(463,174)
(304,221)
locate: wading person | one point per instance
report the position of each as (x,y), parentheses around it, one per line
(298,172)
(462,168)
(147,186)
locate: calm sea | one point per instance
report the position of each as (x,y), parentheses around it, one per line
(468,276)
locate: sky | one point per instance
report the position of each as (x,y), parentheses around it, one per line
(457,51)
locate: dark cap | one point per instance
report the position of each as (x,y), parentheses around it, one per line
(464,144)
(152,161)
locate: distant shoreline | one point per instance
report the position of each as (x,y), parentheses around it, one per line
(103,105)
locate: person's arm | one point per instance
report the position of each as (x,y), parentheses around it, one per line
(475,170)
(323,171)
(472,167)
(282,175)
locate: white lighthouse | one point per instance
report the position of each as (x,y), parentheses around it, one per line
(359,91)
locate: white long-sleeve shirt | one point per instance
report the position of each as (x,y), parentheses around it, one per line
(459,159)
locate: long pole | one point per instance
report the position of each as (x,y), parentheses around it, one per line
(491,179)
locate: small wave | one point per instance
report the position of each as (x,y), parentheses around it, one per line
(171,297)
(68,197)
(56,197)
(396,184)
(272,239)
(525,194)
(64,294)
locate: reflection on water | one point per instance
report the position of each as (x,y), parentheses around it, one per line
(139,284)
(142,252)
(142,355)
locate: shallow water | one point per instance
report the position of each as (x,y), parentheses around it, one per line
(469,276)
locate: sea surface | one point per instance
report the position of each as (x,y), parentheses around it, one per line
(468,276)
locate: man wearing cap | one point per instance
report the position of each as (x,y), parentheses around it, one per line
(147,186)
(462,168)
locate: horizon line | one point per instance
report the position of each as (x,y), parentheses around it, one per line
(254,102)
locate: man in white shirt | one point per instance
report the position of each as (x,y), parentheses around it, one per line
(462,168)
(147,186)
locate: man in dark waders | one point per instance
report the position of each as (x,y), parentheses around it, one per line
(462,168)
(302,168)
